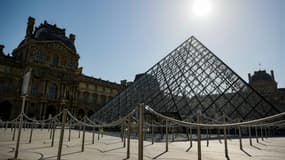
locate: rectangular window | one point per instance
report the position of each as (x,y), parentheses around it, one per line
(38,56)
(69,64)
(55,61)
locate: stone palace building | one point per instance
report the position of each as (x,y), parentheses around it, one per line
(56,80)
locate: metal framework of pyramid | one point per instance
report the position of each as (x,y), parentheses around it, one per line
(188,79)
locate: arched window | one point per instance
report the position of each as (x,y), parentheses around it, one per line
(38,56)
(52,92)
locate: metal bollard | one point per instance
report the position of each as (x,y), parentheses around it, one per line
(31,133)
(240,138)
(191,138)
(129,136)
(12,126)
(261,133)
(122,132)
(229,134)
(152,132)
(225,140)
(140,131)
(61,134)
(14,132)
(256,134)
(98,133)
(93,135)
(172,133)
(199,137)
(83,138)
(249,135)
(124,135)
(265,133)
(166,138)
(207,132)
(53,132)
(69,131)
(79,131)
(219,132)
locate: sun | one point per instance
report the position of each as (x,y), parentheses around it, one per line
(202,8)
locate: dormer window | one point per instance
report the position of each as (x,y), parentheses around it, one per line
(38,56)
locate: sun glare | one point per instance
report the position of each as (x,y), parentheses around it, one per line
(202,8)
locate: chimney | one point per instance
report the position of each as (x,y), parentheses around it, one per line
(72,38)
(30,27)
(1,48)
(272,75)
(249,78)
(124,82)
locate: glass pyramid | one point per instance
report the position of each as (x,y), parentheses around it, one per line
(188,79)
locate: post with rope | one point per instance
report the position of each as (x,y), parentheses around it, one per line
(229,133)
(240,137)
(93,135)
(166,138)
(256,134)
(49,126)
(79,129)
(261,133)
(51,129)
(225,139)
(219,137)
(98,134)
(14,132)
(61,134)
(152,132)
(140,130)
(31,133)
(266,133)
(191,137)
(124,134)
(207,130)
(172,134)
(20,128)
(69,130)
(53,132)
(83,136)
(122,131)
(199,135)
(129,136)
(25,86)
(12,126)
(249,135)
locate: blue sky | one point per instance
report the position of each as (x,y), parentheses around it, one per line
(118,38)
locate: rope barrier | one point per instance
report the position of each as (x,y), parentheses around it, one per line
(183,123)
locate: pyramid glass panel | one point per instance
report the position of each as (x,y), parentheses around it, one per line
(188,79)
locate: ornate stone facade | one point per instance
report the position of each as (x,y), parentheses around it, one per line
(56,80)
(266,85)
